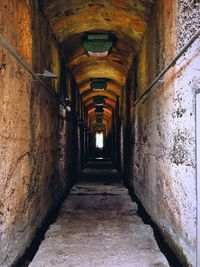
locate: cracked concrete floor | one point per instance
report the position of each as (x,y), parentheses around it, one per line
(98,225)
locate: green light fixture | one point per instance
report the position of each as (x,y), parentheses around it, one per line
(99,109)
(99,100)
(98,44)
(99,127)
(98,84)
(99,114)
(99,120)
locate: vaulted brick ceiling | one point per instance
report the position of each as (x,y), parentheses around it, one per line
(126,19)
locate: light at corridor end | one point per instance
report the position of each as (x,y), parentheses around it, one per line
(99,140)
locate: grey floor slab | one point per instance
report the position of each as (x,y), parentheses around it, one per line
(99,226)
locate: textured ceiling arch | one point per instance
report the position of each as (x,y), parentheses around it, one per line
(108,102)
(111,86)
(105,93)
(107,112)
(91,106)
(99,69)
(68,18)
(71,20)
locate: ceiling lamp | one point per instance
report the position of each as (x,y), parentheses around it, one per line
(99,114)
(99,100)
(99,127)
(98,44)
(99,120)
(98,84)
(99,109)
(99,117)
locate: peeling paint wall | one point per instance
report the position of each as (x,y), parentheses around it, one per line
(163,162)
(33,154)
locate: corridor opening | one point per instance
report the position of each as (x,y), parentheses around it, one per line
(99,140)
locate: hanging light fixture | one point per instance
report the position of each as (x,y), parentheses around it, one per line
(99,114)
(99,118)
(99,109)
(99,127)
(98,44)
(99,100)
(98,84)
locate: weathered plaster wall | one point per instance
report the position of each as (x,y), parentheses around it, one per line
(34,174)
(163,172)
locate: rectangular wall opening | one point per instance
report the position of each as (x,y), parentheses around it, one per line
(99,140)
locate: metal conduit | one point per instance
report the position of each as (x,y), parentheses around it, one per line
(171,63)
(30,70)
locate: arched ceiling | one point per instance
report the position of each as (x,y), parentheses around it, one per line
(70,20)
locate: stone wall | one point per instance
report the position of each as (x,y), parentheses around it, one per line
(34,136)
(163,136)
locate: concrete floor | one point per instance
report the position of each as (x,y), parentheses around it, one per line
(98,225)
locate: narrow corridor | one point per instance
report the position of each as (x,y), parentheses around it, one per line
(98,225)
(100,98)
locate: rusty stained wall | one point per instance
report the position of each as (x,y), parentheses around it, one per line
(33,171)
(163,136)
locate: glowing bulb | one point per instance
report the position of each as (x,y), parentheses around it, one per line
(68,109)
